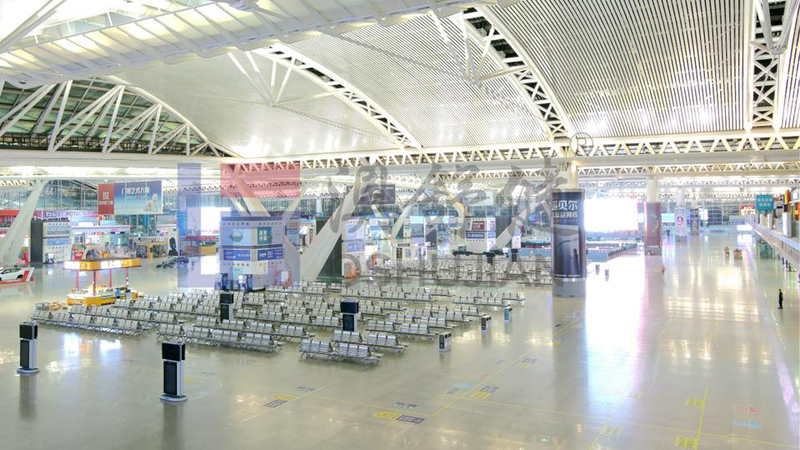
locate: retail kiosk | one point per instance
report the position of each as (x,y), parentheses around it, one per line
(96,295)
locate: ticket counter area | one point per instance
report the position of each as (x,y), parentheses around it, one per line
(200,245)
(98,294)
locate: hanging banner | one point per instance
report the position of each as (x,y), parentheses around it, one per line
(569,241)
(136,197)
(105,198)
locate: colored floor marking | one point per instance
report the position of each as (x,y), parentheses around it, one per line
(611,431)
(481,395)
(685,442)
(285,397)
(411,419)
(694,402)
(745,423)
(495,373)
(386,415)
(276,403)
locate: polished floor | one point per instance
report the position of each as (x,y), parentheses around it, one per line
(695,357)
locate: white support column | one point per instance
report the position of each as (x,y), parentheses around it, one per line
(253,203)
(239,207)
(11,244)
(652,219)
(293,206)
(505,237)
(317,253)
(398,224)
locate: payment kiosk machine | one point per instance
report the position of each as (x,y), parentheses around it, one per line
(28,335)
(486,321)
(174,354)
(349,315)
(444,341)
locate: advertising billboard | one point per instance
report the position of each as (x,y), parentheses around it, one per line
(135,197)
(652,225)
(681,229)
(378,194)
(569,242)
(238,237)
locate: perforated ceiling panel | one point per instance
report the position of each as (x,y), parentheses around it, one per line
(220,100)
(632,67)
(410,71)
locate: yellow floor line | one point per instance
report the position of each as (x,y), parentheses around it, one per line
(702,417)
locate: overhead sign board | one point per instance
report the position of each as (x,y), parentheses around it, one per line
(764,202)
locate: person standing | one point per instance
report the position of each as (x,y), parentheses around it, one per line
(780,299)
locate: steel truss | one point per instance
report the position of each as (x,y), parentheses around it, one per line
(694,170)
(206,30)
(768,76)
(333,84)
(587,148)
(490,36)
(97,115)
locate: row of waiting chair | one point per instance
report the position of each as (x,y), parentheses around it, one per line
(218,337)
(86,322)
(379,340)
(480,301)
(144,317)
(341,351)
(283,331)
(408,329)
(510,296)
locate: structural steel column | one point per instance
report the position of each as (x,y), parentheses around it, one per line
(505,237)
(652,219)
(12,243)
(568,241)
(313,259)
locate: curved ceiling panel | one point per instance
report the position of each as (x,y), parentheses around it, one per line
(627,68)
(232,107)
(411,72)
(791,100)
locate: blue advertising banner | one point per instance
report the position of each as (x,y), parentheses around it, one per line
(230,254)
(475,235)
(266,254)
(138,197)
(764,203)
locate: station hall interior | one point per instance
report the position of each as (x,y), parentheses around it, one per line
(386,224)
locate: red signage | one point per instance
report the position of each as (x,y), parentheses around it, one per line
(105,198)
